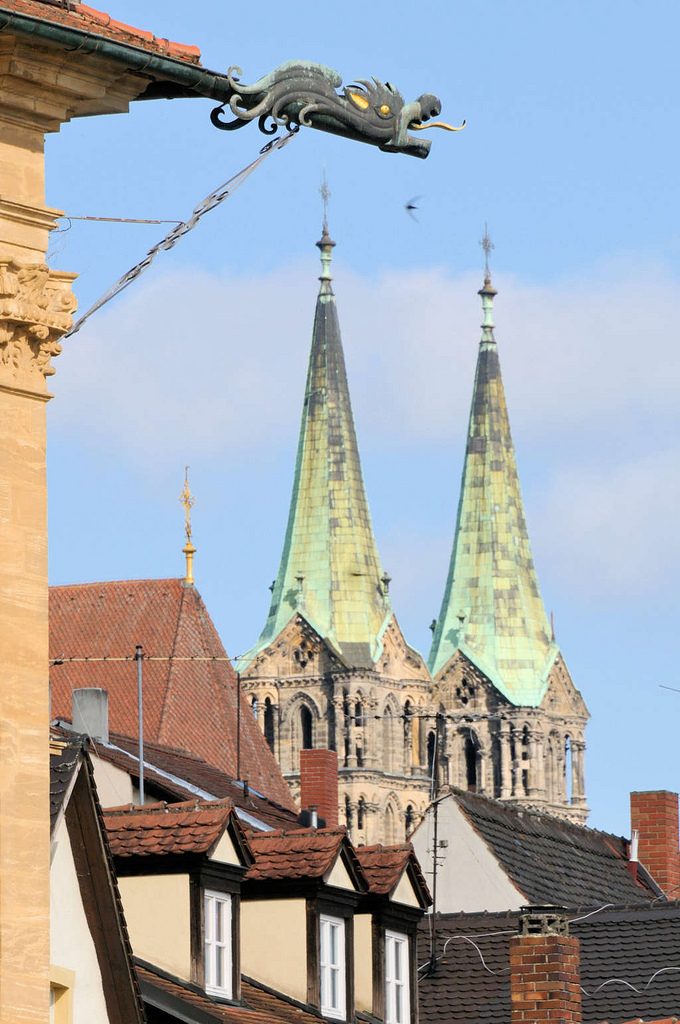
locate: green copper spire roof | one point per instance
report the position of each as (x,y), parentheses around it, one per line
(492,609)
(330,570)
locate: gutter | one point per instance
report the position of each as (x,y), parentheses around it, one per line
(188,79)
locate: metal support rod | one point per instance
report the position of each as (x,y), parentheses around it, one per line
(433,916)
(238,726)
(138,658)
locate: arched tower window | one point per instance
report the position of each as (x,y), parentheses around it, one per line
(269,723)
(306,728)
(359,733)
(408,734)
(525,760)
(390,826)
(361,814)
(253,704)
(409,820)
(470,751)
(388,734)
(567,769)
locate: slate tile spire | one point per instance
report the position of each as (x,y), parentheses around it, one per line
(330,570)
(492,609)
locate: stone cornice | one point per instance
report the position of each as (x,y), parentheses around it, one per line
(36,306)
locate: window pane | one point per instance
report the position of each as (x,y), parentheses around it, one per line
(398,966)
(333,1001)
(333,945)
(399,1005)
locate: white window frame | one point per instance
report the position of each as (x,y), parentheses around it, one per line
(330,967)
(213,903)
(395,984)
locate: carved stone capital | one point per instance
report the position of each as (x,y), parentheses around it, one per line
(36,306)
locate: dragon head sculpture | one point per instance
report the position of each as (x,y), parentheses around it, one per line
(303,93)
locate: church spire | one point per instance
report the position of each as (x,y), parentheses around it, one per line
(330,571)
(492,609)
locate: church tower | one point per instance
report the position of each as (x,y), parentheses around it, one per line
(513,721)
(331,669)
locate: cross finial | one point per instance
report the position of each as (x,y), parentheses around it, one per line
(488,246)
(325,195)
(188,501)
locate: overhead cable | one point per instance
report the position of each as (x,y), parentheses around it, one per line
(216,197)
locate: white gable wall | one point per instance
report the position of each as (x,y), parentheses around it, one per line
(71,944)
(469,877)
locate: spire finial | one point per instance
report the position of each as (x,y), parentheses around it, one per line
(487,291)
(325,195)
(188,501)
(325,243)
(488,247)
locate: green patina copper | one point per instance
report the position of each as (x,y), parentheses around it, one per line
(330,571)
(492,609)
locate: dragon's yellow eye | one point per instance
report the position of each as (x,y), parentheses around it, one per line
(384,109)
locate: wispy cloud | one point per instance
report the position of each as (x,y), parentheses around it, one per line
(214,365)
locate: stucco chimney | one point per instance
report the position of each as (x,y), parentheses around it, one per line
(90,712)
(319,784)
(544,969)
(654,815)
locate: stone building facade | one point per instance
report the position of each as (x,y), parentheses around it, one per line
(494,709)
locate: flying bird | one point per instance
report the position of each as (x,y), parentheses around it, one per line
(410,206)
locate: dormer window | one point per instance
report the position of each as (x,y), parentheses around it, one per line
(332,964)
(217,930)
(397,1009)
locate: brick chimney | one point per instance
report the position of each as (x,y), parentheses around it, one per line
(544,969)
(654,815)
(319,784)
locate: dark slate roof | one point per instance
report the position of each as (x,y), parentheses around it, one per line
(553,861)
(625,956)
(63,767)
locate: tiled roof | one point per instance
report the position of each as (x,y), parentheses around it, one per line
(265,999)
(161,762)
(303,853)
(384,866)
(552,860)
(267,1007)
(87,19)
(619,947)
(63,767)
(157,829)
(187,704)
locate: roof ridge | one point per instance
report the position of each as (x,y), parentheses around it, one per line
(163,807)
(535,812)
(107,583)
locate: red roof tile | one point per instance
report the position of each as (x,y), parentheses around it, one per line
(87,19)
(157,829)
(188,705)
(302,853)
(384,865)
(266,1000)
(270,1010)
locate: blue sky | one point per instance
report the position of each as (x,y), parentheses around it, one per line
(569,154)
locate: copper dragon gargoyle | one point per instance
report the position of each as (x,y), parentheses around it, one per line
(301,93)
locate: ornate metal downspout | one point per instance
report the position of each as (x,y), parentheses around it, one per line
(296,93)
(304,93)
